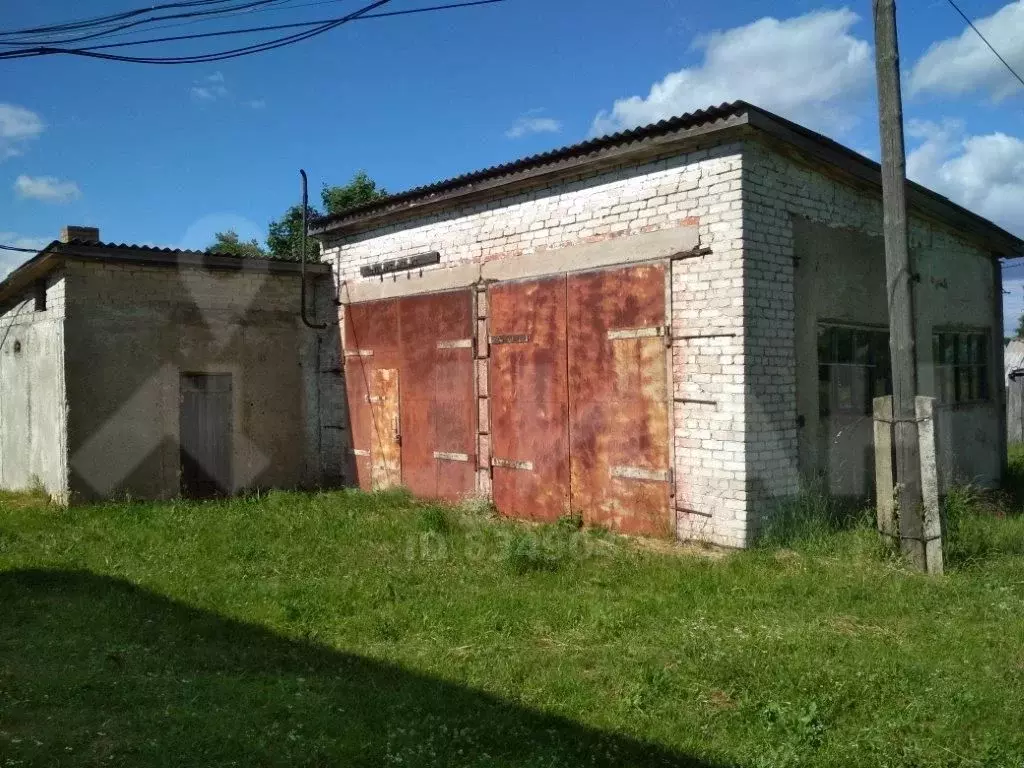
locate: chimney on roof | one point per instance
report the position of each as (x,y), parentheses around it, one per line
(83,234)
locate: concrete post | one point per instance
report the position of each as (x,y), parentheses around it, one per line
(924,408)
(885,492)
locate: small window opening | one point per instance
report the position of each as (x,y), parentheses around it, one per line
(17,347)
(40,295)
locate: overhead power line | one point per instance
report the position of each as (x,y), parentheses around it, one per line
(97,20)
(313,29)
(985,41)
(142,22)
(251,30)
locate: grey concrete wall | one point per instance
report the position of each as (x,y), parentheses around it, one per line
(132,332)
(840,278)
(33,411)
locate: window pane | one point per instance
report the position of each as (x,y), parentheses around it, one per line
(944,383)
(843,388)
(824,390)
(937,349)
(859,385)
(948,348)
(824,345)
(964,349)
(880,349)
(983,382)
(963,373)
(844,345)
(862,347)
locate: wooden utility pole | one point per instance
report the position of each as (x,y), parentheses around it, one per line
(900,285)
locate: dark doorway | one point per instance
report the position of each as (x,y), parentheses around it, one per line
(205,424)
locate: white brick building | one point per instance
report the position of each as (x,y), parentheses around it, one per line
(769,239)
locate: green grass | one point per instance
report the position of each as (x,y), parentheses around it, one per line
(345,629)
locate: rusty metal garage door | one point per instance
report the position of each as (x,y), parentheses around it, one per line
(372,347)
(438,395)
(618,399)
(529,411)
(412,402)
(579,398)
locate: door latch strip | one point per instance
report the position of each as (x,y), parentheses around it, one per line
(510,338)
(455,344)
(512,464)
(639,473)
(451,456)
(636,333)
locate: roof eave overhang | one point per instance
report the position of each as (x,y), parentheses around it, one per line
(639,151)
(920,199)
(23,276)
(54,254)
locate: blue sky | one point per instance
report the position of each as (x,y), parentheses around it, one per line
(169,155)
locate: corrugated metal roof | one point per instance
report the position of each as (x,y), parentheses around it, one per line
(704,121)
(152,255)
(664,127)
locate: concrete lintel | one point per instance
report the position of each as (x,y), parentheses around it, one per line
(410,284)
(646,246)
(629,249)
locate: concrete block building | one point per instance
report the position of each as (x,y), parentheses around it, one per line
(663,330)
(153,373)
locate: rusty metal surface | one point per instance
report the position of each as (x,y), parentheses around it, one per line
(438,395)
(371,343)
(529,415)
(618,399)
(385,450)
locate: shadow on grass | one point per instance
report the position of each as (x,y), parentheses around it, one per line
(97,671)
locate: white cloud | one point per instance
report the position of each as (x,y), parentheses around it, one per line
(209,88)
(256,103)
(49,189)
(11,259)
(533,122)
(809,68)
(984,173)
(17,126)
(964,63)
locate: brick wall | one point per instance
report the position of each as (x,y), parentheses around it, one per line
(775,189)
(702,188)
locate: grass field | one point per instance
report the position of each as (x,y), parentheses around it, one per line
(366,630)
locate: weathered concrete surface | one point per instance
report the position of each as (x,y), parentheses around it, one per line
(33,428)
(133,330)
(840,279)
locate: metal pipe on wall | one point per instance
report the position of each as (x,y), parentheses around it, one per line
(302,255)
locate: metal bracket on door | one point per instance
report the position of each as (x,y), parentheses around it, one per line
(512,464)
(510,338)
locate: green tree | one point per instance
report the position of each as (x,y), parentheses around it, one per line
(361,189)
(229,242)
(1020,327)
(284,237)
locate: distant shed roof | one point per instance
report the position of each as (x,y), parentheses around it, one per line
(56,252)
(719,123)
